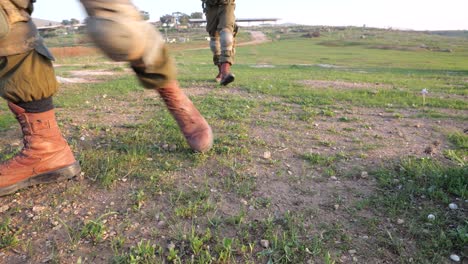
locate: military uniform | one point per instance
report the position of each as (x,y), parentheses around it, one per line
(222,28)
(28,83)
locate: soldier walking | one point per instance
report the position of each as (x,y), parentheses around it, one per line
(28,83)
(222,28)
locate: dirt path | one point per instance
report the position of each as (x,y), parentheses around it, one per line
(258,37)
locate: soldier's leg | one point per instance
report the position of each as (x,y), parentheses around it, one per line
(28,84)
(226,29)
(117,27)
(215,47)
(212,20)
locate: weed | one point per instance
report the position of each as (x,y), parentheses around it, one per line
(7,235)
(95,229)
(143,253)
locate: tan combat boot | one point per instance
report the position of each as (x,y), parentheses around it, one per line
(192,124)
(218,77)
(226,76)
(45,157)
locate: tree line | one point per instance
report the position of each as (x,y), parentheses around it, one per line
(176,18)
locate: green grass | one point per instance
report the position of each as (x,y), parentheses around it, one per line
(430,186)
(8,236)
(224,205)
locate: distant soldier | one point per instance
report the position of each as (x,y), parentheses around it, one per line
(222,28)
(28,83)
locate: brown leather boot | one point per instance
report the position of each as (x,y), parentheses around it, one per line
(226,76)
(218,77)
(45,157)
(192,124)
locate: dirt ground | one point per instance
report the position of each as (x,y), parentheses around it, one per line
(373,137)
(368,137)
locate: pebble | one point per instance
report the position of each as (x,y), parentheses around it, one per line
(161,224)
(453,206)
(431,217)
(37,209)
(4,208)
(336,206)
(364,175)
(267,155)
(400,221)
(352,251)
(455,258)
(265,243)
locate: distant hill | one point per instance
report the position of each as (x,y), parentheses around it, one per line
(451,33)
(44,23)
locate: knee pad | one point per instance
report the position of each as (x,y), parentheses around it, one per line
(227,41)
(118,29)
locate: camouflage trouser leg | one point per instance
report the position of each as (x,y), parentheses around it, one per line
(117,27)
(27,77)
(215,47)
(221,25)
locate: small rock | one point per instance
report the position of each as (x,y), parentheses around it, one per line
(431,217)
(30,215)
(430,150)
(4,208)
(161,224)
(364,175)
(455,257)
(267,155)
(400,221)
(352,251)
(453,206)
(38,209)
(336,206)
(333,178)
(265,243)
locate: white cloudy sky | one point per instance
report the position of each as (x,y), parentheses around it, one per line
(404,14)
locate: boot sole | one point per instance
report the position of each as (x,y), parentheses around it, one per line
(229,79)
(47,177)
